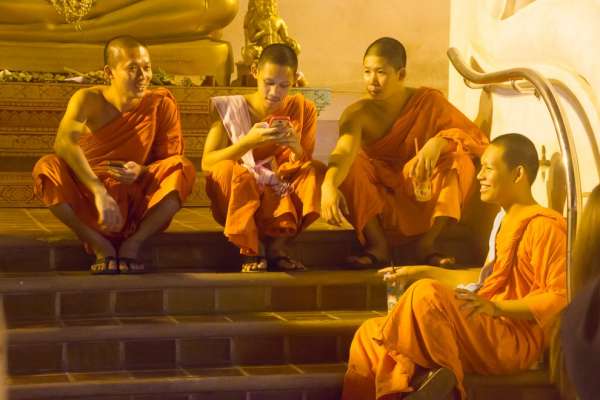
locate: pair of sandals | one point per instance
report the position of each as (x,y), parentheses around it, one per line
(102,266)
(271,264)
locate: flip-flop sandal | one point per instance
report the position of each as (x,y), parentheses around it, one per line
(275,264)
(258,260)
(100,266)
(435,258)
(128,262)
(374,264)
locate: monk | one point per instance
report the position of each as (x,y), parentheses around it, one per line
(263,184)
(119,174)
(499,324)
(397,139)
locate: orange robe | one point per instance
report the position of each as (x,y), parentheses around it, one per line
(150,135)
(378,181)
(427,327)
(249,212)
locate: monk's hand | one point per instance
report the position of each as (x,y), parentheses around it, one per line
(260,134)
(288,138)
(404,276)
(474,304)
(109,214)
(333,205)
(427,158)
(128,173)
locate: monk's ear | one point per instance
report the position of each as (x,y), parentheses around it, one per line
(401,73)
(519,174)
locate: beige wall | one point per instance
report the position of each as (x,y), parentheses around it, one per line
(479,31)
(335,33)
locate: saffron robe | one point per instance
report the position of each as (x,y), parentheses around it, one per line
(151,136)
(427,327)
(248,211)
(378,183)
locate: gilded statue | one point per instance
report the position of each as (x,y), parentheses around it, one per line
(263,26)
(95,21)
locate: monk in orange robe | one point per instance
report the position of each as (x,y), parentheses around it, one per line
(499,324)
(396,140)
(119,174)
(261,178)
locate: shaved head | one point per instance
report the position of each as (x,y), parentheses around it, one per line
(279,54)
(519,150)
(114,46)
(390,49)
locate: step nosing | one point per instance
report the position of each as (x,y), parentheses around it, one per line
(314,380)
(165,280)
(126,332)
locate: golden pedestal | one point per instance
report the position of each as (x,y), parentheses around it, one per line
(205,57)
(30,114)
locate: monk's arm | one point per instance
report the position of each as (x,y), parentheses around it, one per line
(216,149)
(66,145)
(345,150)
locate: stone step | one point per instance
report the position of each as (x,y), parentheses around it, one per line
(170,342)
(34,240)
(57,296)
(275,382)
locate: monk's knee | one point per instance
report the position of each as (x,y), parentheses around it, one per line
(428,293)
(50,164)
(222,171)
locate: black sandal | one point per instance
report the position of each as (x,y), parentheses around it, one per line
(101,266)
(374,264)
(258,260)
(128,262)
(274,264)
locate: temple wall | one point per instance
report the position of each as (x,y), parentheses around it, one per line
(335,33)
(552,37)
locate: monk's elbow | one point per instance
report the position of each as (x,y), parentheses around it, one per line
(205,164)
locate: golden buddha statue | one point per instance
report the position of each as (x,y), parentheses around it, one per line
(48,35)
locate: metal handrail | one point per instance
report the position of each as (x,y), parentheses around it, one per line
(565,139)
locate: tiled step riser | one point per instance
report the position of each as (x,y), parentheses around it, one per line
(333,393)
(248,383)
(187,301)
(211,252)
(185,353)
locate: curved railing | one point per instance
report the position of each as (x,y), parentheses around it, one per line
(545,91)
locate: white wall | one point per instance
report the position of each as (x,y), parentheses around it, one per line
(554,37)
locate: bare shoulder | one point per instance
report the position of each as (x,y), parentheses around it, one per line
(89,98)
(357,113)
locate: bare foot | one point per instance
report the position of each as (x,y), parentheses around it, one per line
(128,257)
(106,261)
(278,258)
(254,264)
(426,254)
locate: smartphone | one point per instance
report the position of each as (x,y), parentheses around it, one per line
(279,122)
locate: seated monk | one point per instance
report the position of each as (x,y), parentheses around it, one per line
(261,178)
(119,174)
(498,325)
(394,140)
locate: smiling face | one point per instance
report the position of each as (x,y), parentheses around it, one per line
(381,78)
(131,72)
(273,84)
(497,181)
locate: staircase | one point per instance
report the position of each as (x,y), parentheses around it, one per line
(176,333)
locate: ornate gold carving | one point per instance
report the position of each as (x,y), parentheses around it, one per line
(263,26)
